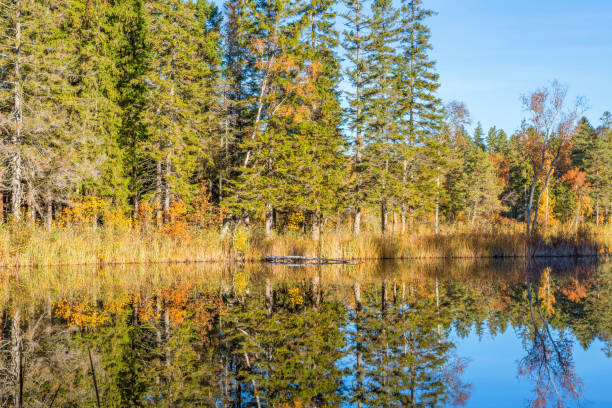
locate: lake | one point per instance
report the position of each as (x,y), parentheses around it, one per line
(397,333)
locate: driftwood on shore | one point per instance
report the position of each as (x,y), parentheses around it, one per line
(297,260)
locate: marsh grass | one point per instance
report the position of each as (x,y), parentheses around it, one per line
(34,245)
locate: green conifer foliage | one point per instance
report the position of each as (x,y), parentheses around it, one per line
(180,84)
(383,152)
(96,79)
(355,37)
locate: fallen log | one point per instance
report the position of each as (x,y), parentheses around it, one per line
(297,260)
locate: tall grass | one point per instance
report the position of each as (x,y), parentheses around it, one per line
(34,245)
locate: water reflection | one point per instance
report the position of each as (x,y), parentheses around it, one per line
(249,336)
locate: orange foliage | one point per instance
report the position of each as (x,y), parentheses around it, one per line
(576,291)
(206,215)
(177,227)
(144,216)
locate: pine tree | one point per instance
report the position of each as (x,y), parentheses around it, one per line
(496,140)
(281,82)
(239,81)
(323,181)
(482,184)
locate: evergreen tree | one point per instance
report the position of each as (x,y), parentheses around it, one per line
(479,137)
(598,166)
(46,151)
(381,98)
(180,93)
(496,140)
(132,59)
(420,111)
(96,83)
(282,80)
(482,184)
(355,37)
(583,142)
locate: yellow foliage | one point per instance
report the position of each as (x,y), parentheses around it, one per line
(84,211)
(80,313)
(240,283)
(295,297)
(240,239)
(545,293)
(296,221)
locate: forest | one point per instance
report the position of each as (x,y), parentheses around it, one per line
(172,119)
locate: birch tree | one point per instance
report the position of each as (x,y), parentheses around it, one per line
(547,133)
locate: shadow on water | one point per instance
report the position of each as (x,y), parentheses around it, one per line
(379,334)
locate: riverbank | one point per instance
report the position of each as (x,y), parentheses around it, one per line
(37,246)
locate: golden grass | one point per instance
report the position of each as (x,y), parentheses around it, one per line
(32,245)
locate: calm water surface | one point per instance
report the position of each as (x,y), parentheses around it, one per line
(494,334)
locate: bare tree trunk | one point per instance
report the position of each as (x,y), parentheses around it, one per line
(49,214)
(357,221)
(167,168)
(31,214)
(15,163)
(269,297)
(383,216)
(17,359)
(316,226)
(546,209)
(316,292)
(159,193)
(269,219)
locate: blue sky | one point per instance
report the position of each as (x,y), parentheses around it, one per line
(490,52)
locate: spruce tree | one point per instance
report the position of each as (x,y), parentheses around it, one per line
(420,111)
(583,142)
(598,166)
(96,87)
(280,81)
(381,99)
(355,37)
(132,59)
(320,131)
(479,137)
(180,96)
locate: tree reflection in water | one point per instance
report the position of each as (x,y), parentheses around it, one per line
(548,363)
(363,337)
